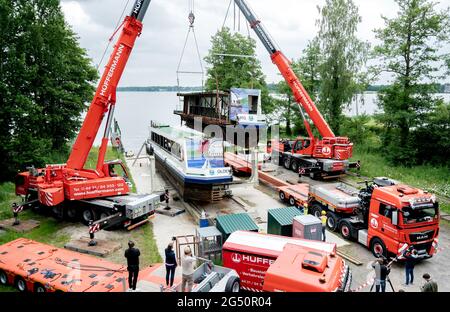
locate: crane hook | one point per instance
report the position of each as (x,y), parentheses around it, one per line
(191,19)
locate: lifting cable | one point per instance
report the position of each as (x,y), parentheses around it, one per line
(118,26)
(236,18)
(191,18)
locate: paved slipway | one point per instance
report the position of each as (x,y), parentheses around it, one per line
(256,200)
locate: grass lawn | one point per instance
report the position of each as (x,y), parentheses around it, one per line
(49,228)
(432,179)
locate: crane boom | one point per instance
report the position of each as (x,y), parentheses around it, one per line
(105,96)
(284,65)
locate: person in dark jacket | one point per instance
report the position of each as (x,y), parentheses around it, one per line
(410,256)
(132,254)
(430,285)
(171,265)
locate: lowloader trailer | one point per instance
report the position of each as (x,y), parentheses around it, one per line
(383,216)
(30,266)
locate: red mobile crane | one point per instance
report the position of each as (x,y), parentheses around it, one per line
(319,158)
(98,193)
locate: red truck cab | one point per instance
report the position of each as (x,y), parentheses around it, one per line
(400,215)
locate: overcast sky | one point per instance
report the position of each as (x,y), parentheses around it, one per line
(156,54)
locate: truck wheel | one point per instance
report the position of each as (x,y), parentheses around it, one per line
(20,284)
(378,248)
(316,211)
(3,278)
(287,163)
(233,284)
(282,196)
(294,166)
(292,201)
(39,288)
(88,215)
(332,221)
(314,176)
(346,230)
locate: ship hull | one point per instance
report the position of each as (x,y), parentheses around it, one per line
(194,189)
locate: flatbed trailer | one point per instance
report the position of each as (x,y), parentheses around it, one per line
(35,267)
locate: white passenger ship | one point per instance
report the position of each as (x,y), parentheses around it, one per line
(193,163)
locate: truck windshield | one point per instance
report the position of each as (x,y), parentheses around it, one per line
(416,215)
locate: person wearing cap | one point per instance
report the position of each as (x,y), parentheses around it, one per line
(171,264)
(187,265)
(430,285)
(132,254)
(324,220)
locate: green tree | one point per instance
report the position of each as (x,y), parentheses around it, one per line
(344,56)
(409,51)
(45,81)
(225,72)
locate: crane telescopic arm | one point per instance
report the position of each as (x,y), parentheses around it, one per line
(284,65)
(105,96)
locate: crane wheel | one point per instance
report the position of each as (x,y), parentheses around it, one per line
(71,214)
(294,166)
(287,163)
(88,215)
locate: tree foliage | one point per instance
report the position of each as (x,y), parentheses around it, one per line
(410,52)
(226,72)
(45,81)
(344,56)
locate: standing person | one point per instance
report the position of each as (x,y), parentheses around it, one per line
(171,265)
(381,273)
(187,265)
(132,254)
(324,220)
(430,285)
(166,198)
(410,256)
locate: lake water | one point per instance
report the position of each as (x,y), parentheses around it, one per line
(135,110)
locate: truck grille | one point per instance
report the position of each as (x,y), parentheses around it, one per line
(421,236)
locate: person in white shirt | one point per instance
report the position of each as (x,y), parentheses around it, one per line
(187,266)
